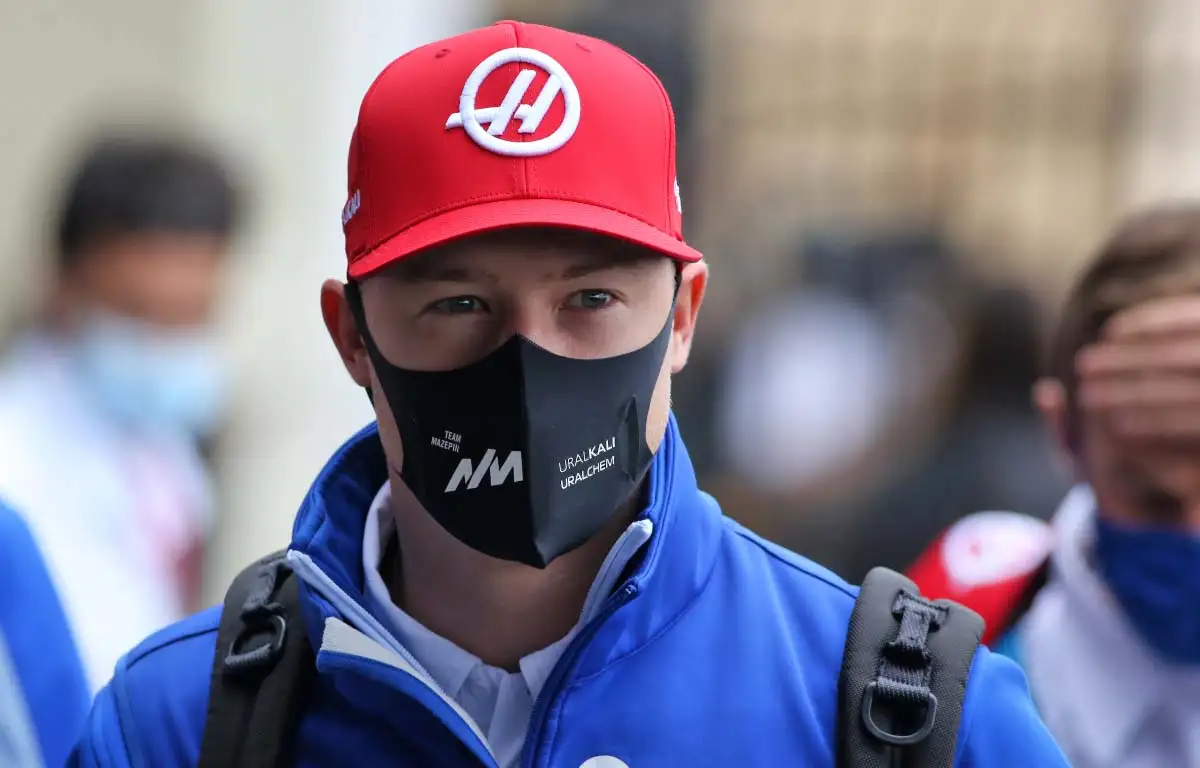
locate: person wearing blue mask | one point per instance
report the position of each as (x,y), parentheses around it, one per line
(1102,606)
(44,695)
(107,396)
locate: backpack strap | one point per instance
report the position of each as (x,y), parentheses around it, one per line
(261,670)
(904,676)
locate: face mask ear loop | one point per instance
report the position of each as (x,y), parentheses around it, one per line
(675,296)
(354,299)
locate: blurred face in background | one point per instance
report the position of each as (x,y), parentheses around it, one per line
(1127,403)
(1141,483)
(1128,371)
(1145,539)
(142,234)
(136,310)
(167,280)
(1152,483)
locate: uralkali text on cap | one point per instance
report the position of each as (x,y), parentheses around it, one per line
(511,125)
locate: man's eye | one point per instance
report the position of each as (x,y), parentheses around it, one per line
(590,299)
(459,305)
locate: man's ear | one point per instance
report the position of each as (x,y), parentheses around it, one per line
(339,321)
(693,281)
(1050,400)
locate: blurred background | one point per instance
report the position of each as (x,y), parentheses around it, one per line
(893,197)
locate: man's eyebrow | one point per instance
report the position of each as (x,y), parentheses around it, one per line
(426,271)
(608,262)
(426,268)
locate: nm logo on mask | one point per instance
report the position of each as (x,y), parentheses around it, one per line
(489,465)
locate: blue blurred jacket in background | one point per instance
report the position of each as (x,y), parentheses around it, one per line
(44,697)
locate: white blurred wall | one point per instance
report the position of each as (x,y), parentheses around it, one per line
(60,63)
(277,84)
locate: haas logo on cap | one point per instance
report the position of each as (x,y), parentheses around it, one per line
(471,119)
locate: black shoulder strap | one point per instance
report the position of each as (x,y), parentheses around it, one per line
(904,676)
(261,668)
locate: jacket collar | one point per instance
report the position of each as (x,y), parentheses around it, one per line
(675,566)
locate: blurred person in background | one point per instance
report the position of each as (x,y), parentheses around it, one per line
(1102,607)
(991,452)
(817,371)
(105,398)
(44,696)
(514,565)
(879,400)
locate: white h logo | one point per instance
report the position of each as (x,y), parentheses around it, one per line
(497,119)
(489,464)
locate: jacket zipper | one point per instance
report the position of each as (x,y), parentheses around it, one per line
(564,668)
(309,572)
(361,620)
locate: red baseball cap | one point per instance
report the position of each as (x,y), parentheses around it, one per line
(508,126)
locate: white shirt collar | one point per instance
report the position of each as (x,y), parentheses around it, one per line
(445,662)
(1100,684)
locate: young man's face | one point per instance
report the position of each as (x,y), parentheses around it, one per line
(452,308)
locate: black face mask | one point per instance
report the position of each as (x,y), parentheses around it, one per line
(524,454)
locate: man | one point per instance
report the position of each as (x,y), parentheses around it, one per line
(44,696)
(102,400)
(1103,608)
(516,566)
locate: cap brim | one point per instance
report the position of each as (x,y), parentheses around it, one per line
(504,214)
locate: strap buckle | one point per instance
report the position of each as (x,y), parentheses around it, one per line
(904,671)
(260,643)
(898,739)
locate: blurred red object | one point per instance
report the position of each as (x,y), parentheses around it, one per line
(991,562)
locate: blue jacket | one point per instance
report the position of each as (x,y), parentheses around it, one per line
(44,696)
(720,649)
